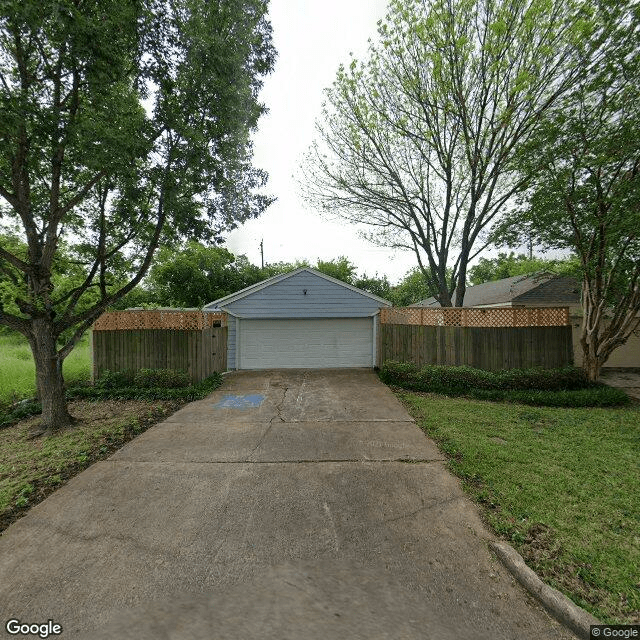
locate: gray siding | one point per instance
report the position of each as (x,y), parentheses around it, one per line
(286,299)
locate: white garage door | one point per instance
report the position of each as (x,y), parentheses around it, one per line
(310,344)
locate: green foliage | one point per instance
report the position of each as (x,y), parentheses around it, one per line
(416,143)
(161,378)
(194,275)
(277,268)
(189,393)
(461,379)
(411,289)
(584,185)
(507,265)
(125,126)
(341,269)
(24,410)
(596,397)
(114,379)
(138,297)
(563,387)
(378,286)
(17,370)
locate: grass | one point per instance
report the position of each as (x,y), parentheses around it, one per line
(32,468)
(561,485)
(17,370)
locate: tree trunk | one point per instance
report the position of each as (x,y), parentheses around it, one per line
(49,380)
(591,365)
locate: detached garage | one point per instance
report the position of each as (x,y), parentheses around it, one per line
(301,319)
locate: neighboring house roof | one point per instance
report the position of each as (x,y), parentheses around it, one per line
(243,293)
(528,289)
(565,289)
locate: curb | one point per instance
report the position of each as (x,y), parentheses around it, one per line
(563,609)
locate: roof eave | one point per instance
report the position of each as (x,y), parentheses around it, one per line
(247,291)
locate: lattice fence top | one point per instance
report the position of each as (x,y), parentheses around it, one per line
(478,316)
(159,319)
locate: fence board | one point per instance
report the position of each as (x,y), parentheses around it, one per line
(491,348)
(199,352)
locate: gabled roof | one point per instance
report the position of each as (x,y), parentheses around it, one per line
(247,291)
(529,288)
(564,288)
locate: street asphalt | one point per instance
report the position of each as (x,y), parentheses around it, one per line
(288,504)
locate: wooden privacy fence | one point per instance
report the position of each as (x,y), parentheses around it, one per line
(190,341)
(493,346)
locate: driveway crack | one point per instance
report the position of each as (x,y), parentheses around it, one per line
(277,417)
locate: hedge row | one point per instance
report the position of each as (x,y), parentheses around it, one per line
(113,392)
(594,397)
(145,379)
(563,387)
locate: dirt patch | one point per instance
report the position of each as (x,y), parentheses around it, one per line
(544,554)
(33,468)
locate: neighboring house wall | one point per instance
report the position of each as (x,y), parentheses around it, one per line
(626,356)
(286,299)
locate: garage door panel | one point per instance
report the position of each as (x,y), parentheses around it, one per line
(308,343)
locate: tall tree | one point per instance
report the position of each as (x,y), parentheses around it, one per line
(585,194)
(417,142)
(377,285)
(507,265)
(122,124)
(196,275)
(340,268)
(413,287)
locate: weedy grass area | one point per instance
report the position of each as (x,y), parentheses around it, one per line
(17,369)
(107,416)
(32,468)
(560,484)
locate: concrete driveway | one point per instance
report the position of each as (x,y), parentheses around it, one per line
(288,504)
(626,379)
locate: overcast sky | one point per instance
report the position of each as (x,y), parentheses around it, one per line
(312,38)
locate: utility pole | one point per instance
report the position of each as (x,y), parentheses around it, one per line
(262,252)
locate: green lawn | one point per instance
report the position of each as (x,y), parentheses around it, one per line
(562,485)
(17,371)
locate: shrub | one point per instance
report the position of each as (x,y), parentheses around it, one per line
(114,379)
(562,387)
(594,397)
(193,392)
(161,378)
(461,379)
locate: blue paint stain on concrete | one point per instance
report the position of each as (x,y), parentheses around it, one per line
(240,402)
